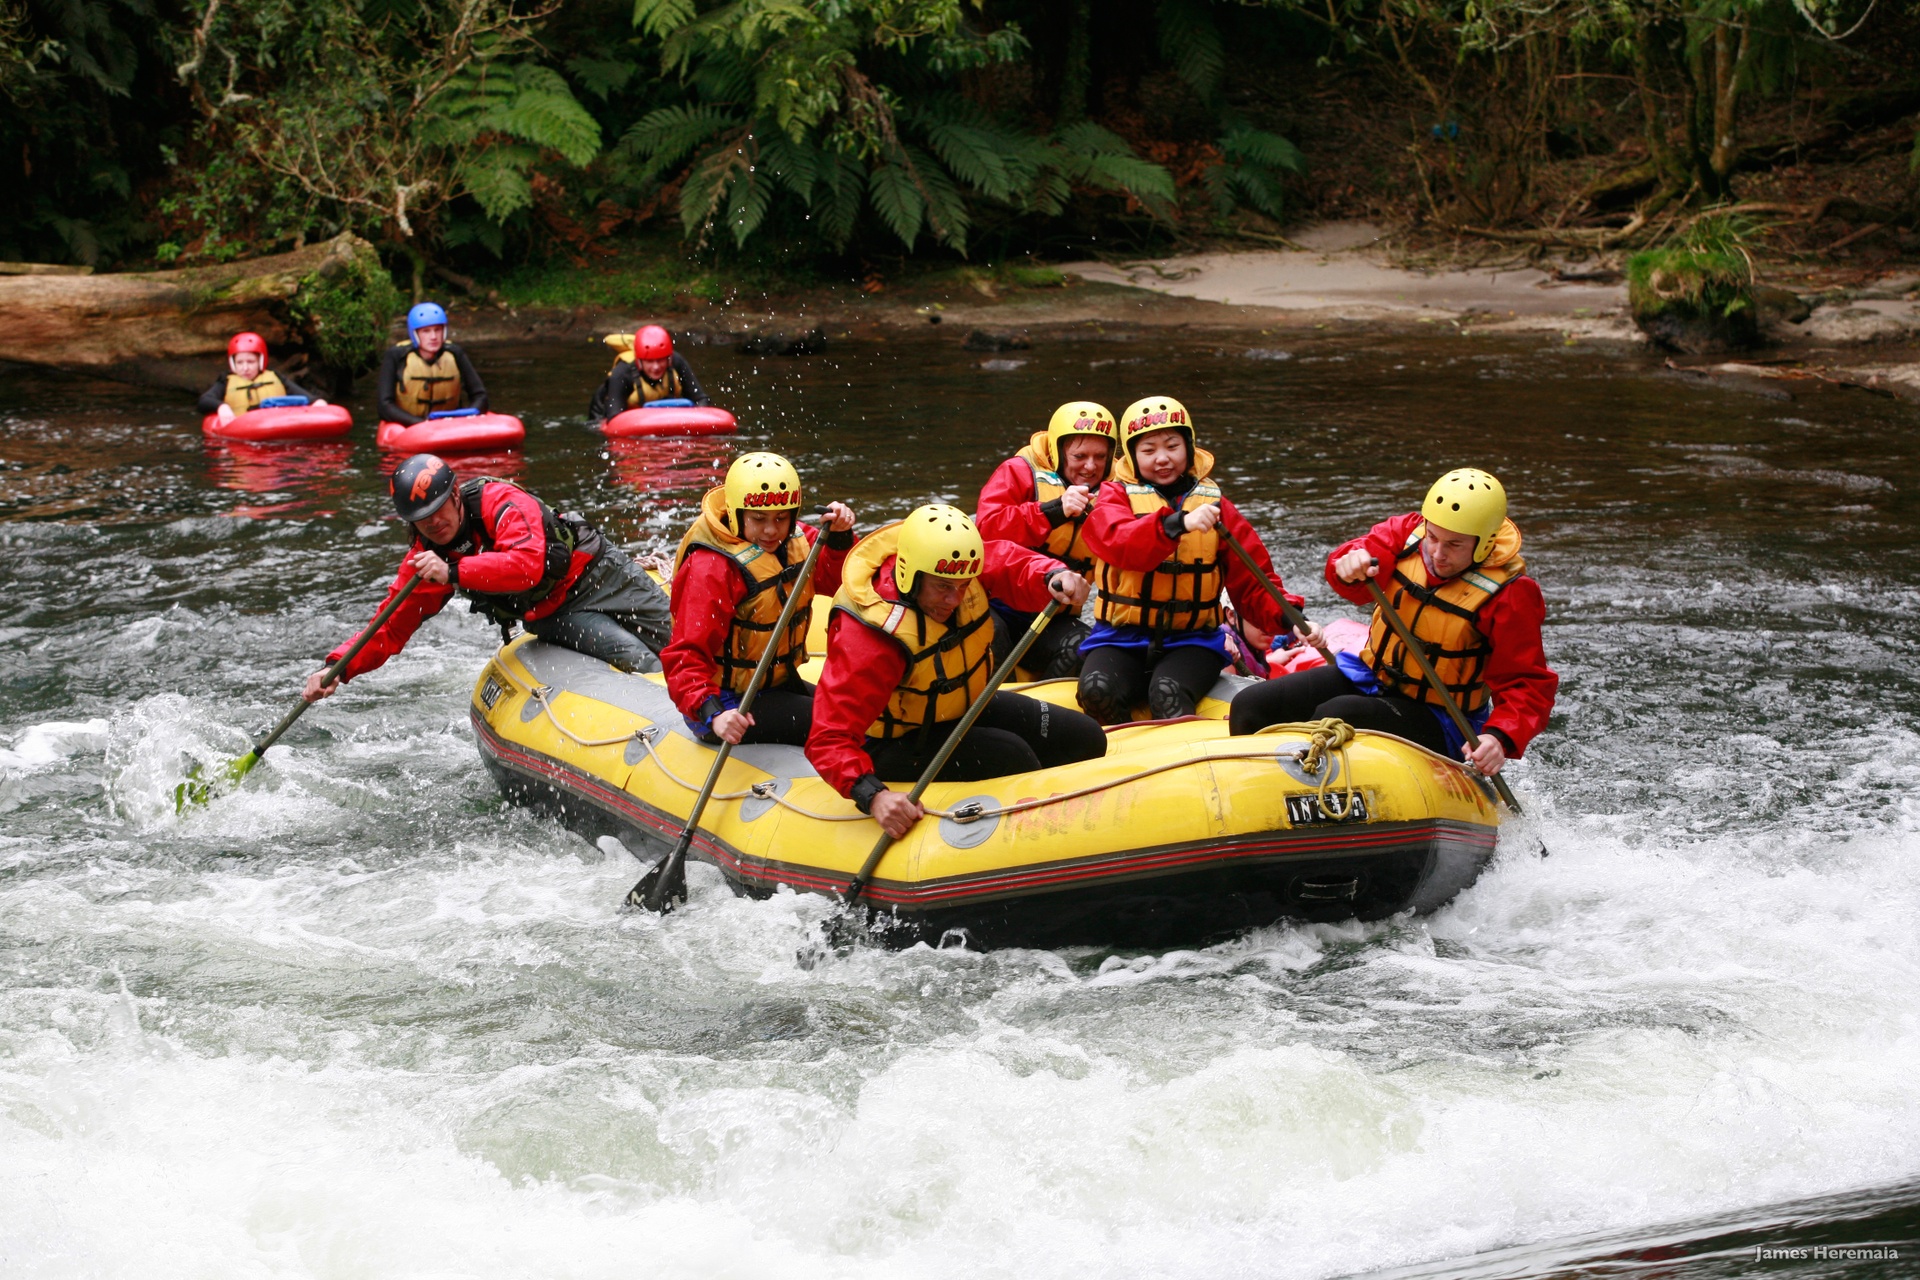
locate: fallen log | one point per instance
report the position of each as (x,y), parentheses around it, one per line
(324,310)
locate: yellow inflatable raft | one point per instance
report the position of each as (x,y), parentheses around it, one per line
(1179,835)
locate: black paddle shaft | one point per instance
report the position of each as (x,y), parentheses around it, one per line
(333,672)
(1288,609)
(1440,690)
(667,879)
(859,883)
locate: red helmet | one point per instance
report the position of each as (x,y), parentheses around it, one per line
(247,342)
(652,343)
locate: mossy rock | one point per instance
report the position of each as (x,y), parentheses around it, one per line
(1697,301)
(343,309)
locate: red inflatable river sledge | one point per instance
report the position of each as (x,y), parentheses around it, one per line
(457,433)
(669,418)
(267,425)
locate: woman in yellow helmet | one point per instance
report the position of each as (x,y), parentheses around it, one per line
(1157,634)
(909,648)
(735,569)
(1452,571)
(1039,498)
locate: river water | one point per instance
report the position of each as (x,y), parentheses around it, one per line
(361,1019)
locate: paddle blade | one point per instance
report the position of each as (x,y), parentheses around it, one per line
(642,896)
(200,789)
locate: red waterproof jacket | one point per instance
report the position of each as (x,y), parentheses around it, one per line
(1140,543)
(1006,509)
(706,591)
(864,667)
(1522,684)
(507,554)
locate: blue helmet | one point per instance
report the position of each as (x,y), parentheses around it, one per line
(424,314)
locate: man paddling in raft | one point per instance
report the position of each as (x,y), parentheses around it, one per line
(1161,566)
(1039,498)
(909,648)
(732,575)
(655,372)
(514,560)
(427,374)
(247,381)
(1452,571)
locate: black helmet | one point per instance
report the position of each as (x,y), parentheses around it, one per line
(421,486)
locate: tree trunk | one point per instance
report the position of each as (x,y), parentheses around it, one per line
(1076,76)
(170,328)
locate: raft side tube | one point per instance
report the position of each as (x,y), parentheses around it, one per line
(1182,835)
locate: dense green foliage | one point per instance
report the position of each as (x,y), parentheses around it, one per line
(477,135)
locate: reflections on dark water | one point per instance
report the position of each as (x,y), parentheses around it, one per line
(309,479)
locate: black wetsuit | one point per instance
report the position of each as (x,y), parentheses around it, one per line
(474,391)
(611,398)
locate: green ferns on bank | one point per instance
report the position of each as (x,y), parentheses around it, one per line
(784,110)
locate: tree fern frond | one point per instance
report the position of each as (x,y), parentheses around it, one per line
(897,201)
(661,18)
(843,187)
(1190,40)
(947,214)
(1255,146)
(748,201)
(975,155)
(661,139)
(794,165)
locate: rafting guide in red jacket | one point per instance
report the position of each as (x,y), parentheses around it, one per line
(1453,572)
(515,560)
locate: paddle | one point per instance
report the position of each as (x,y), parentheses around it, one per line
(952,744)
(196,791)
(1467,731)
(668,877)
(1288,610)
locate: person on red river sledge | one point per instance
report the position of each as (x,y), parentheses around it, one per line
(733,573)
(1160,567)
(247,381)
(427,374)
(1452,570)
(656,372)
(909,648)
(514,560)
(1039,498)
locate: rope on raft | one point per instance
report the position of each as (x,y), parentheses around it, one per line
(1324,738)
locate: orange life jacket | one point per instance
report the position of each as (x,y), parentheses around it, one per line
(948,665)
(1182,593)
(1445,617)
(770,579)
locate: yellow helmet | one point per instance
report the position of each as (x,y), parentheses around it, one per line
(1468,501)
(760,483)
(1080,418)
(939,540)
(1155,413)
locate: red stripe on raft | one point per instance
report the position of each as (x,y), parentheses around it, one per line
(1308,843)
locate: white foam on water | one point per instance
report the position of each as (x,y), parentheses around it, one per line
(387,1073)
(50,743)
